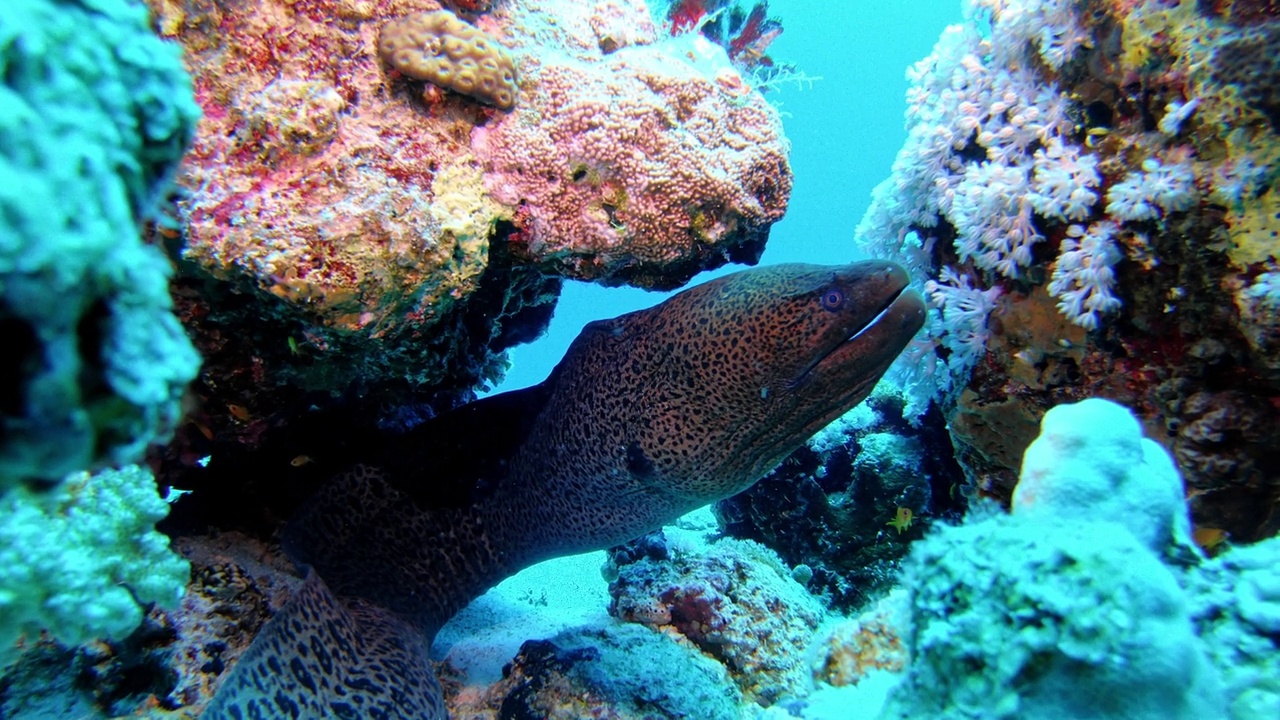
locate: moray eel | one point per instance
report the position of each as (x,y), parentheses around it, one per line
(649,415)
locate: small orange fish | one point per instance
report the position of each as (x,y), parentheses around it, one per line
(1209,538)
(902,520)
(240,412)
(301,460)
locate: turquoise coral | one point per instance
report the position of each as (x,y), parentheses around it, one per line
(79,561)
(95,113)
(1089,600)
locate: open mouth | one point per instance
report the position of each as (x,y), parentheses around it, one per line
(884,310)
(880,339)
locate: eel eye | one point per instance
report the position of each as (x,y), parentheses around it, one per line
(832,300)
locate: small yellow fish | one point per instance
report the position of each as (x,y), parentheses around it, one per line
(902,520)
(301,460)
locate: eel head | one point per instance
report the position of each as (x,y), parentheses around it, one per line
(754,363)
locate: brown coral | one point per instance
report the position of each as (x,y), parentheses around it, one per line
(856,647)
(443,50)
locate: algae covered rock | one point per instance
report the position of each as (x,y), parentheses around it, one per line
(95,113)
(618,671)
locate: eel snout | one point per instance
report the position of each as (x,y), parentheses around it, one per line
(884,313)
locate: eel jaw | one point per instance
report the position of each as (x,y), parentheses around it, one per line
(843,375)
(885,335)
(868,350)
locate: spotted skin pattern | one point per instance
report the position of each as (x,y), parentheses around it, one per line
(330,659)
(648,416)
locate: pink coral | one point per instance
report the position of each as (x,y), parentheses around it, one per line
(312,173)
(640,160)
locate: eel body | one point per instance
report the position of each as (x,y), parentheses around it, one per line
(649,415)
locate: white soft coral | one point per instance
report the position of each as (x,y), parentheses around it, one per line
(993,217)
(1083,278)
(1064,182)
(1053,27)
(1171,187)
(963,311)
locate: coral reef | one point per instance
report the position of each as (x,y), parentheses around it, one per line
(95,362)
(829,505)
(711,177)
(441,49)
(1235,603)
(301,114)
(734,601)
(1089,599)
(355,236)
(1088,196)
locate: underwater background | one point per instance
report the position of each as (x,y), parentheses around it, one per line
(283,284)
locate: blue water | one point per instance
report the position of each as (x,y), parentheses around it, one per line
(844,132)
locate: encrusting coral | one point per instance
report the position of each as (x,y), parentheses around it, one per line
(713,172)
(442,49)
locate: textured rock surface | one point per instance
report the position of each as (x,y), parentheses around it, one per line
(734,601)
(621,671)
